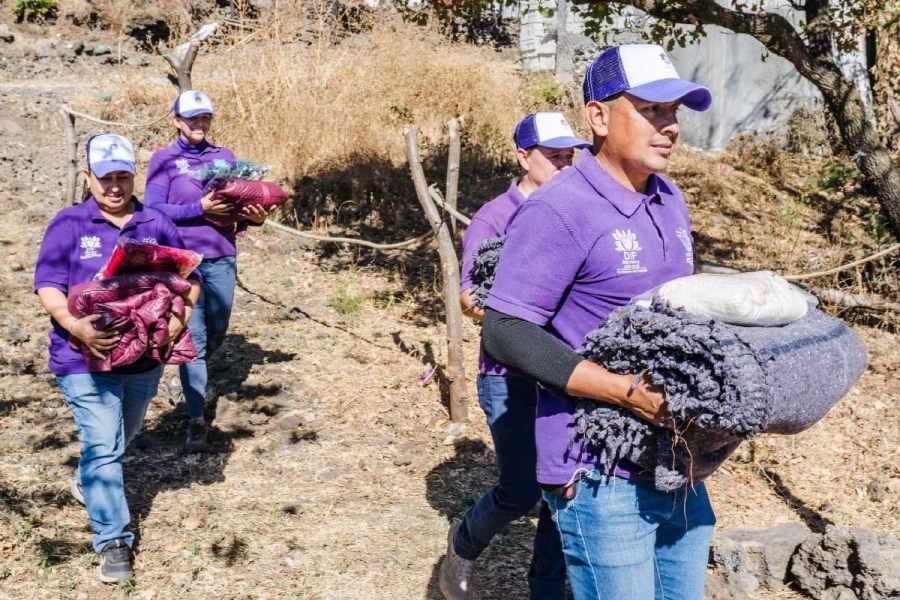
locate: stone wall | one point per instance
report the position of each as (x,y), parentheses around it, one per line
(752,89)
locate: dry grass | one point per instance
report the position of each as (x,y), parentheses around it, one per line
(309,108)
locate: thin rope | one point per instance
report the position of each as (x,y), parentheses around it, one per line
(343,240)
(803,276)
(113,123)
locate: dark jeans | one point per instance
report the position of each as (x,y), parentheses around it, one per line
(509,403)
(208,324)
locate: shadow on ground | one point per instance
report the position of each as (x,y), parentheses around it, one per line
(451,488)
(155,462)
(375,200)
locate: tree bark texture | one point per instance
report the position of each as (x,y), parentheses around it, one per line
(815,63)
(452,168)
(450,271)
(68,120)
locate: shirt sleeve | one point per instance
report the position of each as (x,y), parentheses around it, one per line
(538,265)
(156,193)
(477,231)
(52,268)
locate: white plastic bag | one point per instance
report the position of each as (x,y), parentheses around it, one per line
(761,298)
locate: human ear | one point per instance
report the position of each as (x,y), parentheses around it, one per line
(522,158)
(597,115)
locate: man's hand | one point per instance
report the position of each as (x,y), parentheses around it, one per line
(215,206)
(99,342)
(254,213)
(648,401)
(645,400)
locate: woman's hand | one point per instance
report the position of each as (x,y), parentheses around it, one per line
(257,214)
(215,206)
(99,342)
(176,325)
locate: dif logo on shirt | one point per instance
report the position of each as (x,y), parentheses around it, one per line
(627,244)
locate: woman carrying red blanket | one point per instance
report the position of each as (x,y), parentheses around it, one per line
(109,407)
(175,187)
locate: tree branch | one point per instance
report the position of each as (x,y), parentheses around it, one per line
(181,66)
(774,31)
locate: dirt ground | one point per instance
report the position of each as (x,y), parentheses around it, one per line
(333,477)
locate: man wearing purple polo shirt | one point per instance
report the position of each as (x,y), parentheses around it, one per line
(583,245)
(545,146)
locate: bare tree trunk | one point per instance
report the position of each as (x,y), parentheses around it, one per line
(814,62)
(71,155)
(450,272)
(452,168)
(181,66)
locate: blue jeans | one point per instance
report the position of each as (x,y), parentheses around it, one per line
(626,539)
(208,324)
(109,411)
(509,404)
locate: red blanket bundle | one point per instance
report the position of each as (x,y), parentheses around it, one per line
(241,193)
(137,306)
(131,256)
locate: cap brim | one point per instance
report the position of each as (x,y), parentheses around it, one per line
(105,167)
(565,142)
(694,96)
(194,113)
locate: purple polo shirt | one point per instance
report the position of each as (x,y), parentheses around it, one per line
(77,244)
(175,188)
(489,221)
(582,246)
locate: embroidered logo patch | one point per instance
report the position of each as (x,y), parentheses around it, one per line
(184,168)
(685,238)
(150,240)
(91,246)
(627,244)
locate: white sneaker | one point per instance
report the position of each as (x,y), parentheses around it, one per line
(76,490)
(174,392)
(456,572)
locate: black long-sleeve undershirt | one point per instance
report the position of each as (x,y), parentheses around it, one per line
(528,349)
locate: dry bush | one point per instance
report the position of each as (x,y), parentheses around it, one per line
(328,114)
(312,108)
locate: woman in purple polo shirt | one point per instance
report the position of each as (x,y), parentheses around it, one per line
(175,187)
(109,408)
(545,145)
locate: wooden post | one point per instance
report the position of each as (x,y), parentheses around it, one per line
(71,155)
(450,271)
(181,66)
(452,168)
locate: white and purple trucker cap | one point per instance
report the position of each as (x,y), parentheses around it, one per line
(108,152)
(548,129)
(644,71)
(192,103)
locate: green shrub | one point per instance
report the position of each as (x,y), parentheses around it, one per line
(34,10)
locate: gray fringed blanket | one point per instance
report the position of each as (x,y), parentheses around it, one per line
(724,384)
(484,266)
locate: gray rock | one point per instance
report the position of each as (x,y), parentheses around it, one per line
(100,50)
(849,563)
(69,55)
(76,46)
(15,333)
(719,588)
(43,51)
(756,559)
(5,34)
